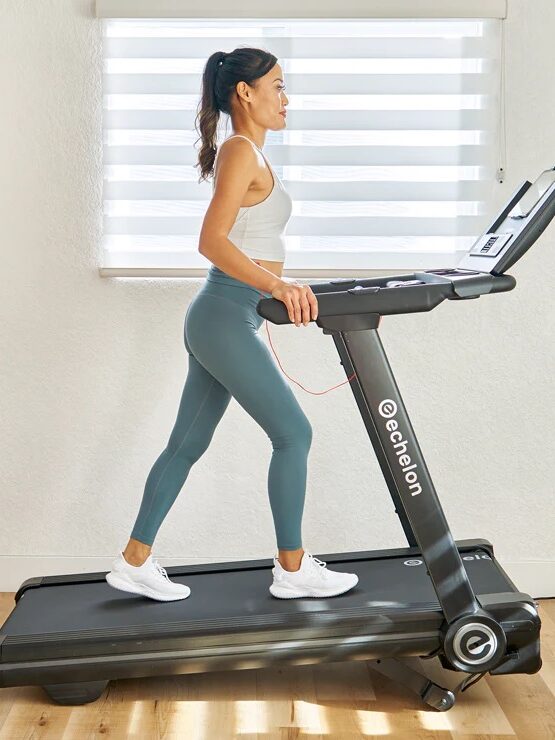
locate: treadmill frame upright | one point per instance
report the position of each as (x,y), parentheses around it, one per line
(401,460)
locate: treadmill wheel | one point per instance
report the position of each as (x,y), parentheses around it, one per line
(82,692)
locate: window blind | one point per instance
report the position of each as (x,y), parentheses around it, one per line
(391,149)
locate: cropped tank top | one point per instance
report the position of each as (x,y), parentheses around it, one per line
(258,230)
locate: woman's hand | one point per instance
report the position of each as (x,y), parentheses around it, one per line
(299,299)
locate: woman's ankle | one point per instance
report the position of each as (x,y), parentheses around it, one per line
(136,552)
(290,559)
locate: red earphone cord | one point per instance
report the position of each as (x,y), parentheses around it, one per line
(314,393)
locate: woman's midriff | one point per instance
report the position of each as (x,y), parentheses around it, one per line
(275,267)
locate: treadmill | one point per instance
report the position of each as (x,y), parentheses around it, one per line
(73,633)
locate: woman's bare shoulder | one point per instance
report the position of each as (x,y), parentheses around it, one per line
(235,152)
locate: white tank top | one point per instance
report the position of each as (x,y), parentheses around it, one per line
(258,230)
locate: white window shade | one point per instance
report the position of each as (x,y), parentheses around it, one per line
(306,9)
(390,151)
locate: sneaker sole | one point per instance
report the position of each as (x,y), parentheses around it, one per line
(135,588)
(287,593)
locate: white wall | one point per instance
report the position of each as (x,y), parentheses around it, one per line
(93,368)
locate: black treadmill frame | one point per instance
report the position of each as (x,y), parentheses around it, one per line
(428,535)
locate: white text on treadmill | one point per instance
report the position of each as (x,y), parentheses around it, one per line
(388,409)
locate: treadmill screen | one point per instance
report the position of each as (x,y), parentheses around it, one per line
(533,195)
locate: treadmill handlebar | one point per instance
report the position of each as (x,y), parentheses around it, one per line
(392,294)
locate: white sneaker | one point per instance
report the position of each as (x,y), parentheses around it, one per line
(312,579)
(148,579)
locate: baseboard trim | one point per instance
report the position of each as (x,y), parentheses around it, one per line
(534,577)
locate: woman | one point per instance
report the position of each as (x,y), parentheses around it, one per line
(242,235)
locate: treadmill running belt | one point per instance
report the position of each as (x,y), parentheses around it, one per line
(231,599)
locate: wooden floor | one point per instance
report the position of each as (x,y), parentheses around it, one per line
(336,701)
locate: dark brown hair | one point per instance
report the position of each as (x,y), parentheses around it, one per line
(219,82)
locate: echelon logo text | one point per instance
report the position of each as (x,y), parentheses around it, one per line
(388,409)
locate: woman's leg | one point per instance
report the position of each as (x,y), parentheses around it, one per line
(227,344)
(203,402)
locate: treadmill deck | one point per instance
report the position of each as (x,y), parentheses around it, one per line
(92,618)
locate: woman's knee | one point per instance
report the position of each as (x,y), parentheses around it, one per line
(297,434)
(187,452)
(189,444)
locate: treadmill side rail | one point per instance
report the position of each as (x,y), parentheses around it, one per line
(29,583)
(467,545)
(182,660)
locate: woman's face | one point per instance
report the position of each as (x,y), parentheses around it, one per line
(268,100)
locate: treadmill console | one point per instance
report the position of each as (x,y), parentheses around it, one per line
(516,228)
(352,304)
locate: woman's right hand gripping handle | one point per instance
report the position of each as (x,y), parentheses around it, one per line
(300,301)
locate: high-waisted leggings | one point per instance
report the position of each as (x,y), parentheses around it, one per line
(228,358)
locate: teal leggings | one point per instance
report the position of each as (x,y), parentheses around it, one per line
(228,358)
